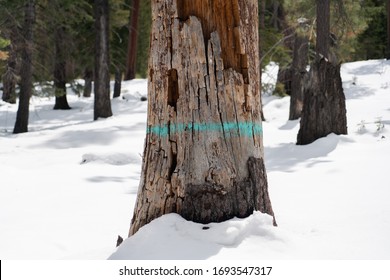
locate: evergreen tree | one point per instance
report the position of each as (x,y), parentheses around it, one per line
(373,40)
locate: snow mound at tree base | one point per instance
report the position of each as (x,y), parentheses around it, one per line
(172,237)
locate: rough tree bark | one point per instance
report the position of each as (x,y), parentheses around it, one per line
(298,73)
(61,102)
(324,110)
(133,39)
(203,156)
(21,124)
(102,105)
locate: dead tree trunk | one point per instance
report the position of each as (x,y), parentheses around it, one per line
(324,110)
(203,156)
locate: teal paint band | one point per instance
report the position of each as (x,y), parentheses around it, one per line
(247,129)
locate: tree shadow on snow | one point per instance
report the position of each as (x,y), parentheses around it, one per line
(286,156)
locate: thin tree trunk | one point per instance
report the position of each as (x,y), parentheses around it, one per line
(203,155)
(102,106)
(21,124)
(298,73)
(284,78)
(118,83)
(133,38)
(88,77)
(61,102)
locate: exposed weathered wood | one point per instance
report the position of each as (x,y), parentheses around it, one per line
(203,149)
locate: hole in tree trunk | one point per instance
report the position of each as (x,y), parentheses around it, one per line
(173,88)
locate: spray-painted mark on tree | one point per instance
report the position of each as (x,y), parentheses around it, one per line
(240,129)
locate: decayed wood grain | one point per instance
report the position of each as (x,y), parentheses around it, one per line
(203,150)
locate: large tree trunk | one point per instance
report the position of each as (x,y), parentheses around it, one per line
(102,106)
(203,155)
(324,110)
(298,74)
(133,39)
(21,124)
(61,102)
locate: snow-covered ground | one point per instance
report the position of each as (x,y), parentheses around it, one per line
(68,187)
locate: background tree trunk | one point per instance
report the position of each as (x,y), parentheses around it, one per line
(21,124)
(323,28)
(324,110)
(118,83)
(203,155)
(61,102)
(298,73)
(133,36)
(102,106)
(88,77)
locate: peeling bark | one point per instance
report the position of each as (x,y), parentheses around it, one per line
(203,155)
